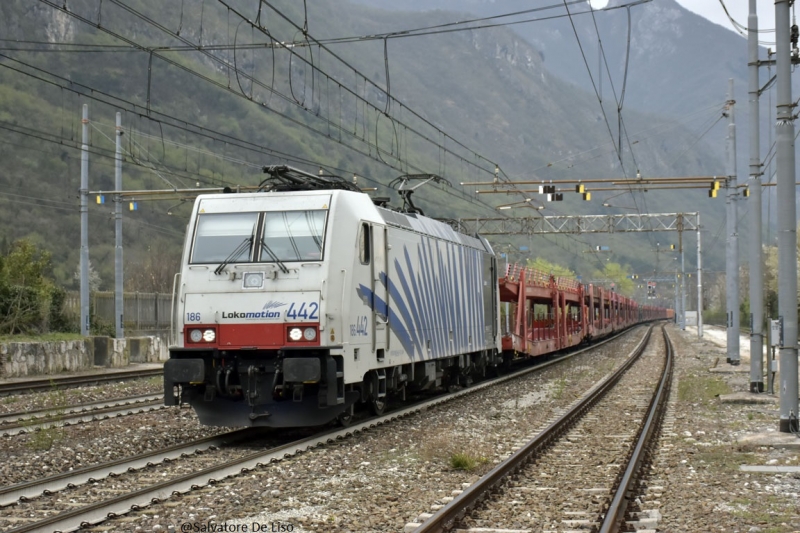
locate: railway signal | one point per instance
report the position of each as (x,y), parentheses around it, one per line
(651,290)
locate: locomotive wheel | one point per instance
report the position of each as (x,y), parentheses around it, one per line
(345,418)
(377,406)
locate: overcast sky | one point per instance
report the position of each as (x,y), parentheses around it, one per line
(739,10)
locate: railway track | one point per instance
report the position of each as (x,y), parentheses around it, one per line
(64,382)
(576,472)
(27,421)
(120,493)
(25,492)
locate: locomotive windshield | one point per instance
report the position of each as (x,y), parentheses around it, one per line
(224,237)
(293,235)
(284,236)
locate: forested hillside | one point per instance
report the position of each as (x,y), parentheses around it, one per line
(210,91)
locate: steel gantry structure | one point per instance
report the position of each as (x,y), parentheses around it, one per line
(579,224)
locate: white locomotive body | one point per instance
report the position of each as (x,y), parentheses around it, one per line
(293,306)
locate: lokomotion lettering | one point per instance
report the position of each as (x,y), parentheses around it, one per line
(251,314)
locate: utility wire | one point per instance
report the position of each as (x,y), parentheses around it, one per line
(622,130)
(395,34)
(597,94)
(315,69)
(97,151)
(742,28)
(361,76)
(108,99)
(151,167)
(224,87)
(446,28)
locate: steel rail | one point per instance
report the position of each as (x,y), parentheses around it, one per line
(98,512)
(446,518)
(32,425)
(45,413)
(53,383)
(33,489)
(616,511)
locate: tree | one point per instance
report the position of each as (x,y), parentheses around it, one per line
(153,270)
(551,268)
(27,302)
(94,278)
(619,276)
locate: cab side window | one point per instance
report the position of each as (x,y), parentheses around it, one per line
(364,241)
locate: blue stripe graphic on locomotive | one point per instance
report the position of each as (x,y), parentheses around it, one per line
(428,295)
(417,308)
(407,322)
(395,324)
(427,307)
(405,313)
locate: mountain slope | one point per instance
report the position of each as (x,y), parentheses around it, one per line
(490,90)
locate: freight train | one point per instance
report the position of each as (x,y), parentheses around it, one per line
(300,301)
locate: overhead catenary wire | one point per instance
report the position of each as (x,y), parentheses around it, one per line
(102,97)
(97,151)
(361,76)
(622,130)
(742,29)
(501,171)
(446,28)
(316,69)
(591,79)
(151,168)
(395,34)
(206,78)
(548,7)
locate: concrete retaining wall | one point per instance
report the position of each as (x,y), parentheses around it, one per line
(20,359)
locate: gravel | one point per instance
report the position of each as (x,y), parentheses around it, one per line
(74,396)
(383,478)
(699,458)
(61,449)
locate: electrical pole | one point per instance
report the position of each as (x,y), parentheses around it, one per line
(756,261)
(677,309)
(732,249)
(787,220)
(699,282)
(118,272)
(683,282)
(84,192)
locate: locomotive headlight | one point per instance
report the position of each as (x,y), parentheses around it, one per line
(209,335)
(253,280)
(196,335)
(295,334)
(310,334)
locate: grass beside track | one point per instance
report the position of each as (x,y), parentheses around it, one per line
(48,337)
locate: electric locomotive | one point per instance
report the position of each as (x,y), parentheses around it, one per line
(297,302)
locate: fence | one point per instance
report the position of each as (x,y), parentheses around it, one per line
(141,310)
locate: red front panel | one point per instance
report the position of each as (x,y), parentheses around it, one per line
(258,335)
(263,335)
(270,336)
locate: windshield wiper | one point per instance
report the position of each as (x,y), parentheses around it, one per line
(237,252)
(274,256)
(312,232)
(244,245)
(291,237)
